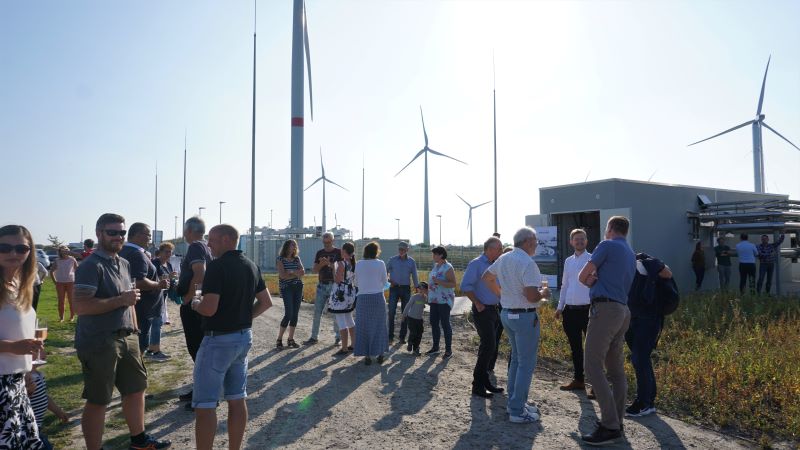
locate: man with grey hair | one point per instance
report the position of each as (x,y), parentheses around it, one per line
(520,295)
(193,269)
(324,263)
(485,314)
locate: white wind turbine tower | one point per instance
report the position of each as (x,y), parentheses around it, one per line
(426,232)
(758,147)
(469,221)
(300,48)
(324,180)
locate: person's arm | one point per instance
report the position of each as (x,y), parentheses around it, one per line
(263,303)
(55,409)
(198,273)
(207,306)
(138,270)
(53,266)
(389,271)
(301,272)
(588,275)
(414,276)
(283,274)
(665,273)
(531,282)
(339,275)
(468,282)
(562,299)
(449,279)
(319,263)
(491,281)
(778,243)
(21,347)
(86,304)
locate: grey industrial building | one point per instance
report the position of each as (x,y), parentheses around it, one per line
(667,221)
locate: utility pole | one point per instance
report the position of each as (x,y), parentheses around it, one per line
(440,228)
(176,228)
(220,211)
(398,228)
(200,211)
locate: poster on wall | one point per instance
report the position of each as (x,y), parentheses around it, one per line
(548,243)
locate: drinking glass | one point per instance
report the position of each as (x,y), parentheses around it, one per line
(40,334)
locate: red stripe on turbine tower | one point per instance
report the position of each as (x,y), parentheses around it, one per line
(297,121)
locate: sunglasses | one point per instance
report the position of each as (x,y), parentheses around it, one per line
(19,249)
(115,233)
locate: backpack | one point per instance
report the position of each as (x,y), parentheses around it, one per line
(650,294)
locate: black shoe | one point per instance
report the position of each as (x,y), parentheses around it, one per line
(602,436)
(447,355)
(494,389)
(310,341)
(402,341)
(409,347)
(481,393)
(187,397)
(151,443)
(433,351)
(380,359)
(188,407)
(367,361)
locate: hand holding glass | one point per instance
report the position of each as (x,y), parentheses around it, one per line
(40,334)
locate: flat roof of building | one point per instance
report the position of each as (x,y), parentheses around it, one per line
(651,183)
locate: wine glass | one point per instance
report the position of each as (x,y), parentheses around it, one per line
(40,334)
(198,291)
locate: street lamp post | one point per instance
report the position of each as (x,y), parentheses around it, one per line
(200,211)
(440,228)
(398,228)
(220,211)
(176,227)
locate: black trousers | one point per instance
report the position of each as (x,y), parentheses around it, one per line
(486,323)
(192,330)
(765,269)
(747,272)
(415,329)
(575,320)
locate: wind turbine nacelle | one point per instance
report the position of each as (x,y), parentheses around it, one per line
(761,117)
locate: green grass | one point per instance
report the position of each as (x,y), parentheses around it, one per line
(727,362)
(65,380)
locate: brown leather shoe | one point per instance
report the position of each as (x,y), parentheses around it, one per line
(573,385)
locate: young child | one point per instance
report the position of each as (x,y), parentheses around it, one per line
(41,402)
(412,313)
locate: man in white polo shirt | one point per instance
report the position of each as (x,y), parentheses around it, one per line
(573,306)
(520,279)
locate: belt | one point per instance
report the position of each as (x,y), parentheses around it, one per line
(123,332)
(576,306)
(213,333)
(603,300)
(519,310)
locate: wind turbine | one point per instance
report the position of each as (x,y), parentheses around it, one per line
(324,180)
(758,146)
(299,49)
(469,221)
(426,232)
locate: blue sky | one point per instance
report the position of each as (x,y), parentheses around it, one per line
(94,94)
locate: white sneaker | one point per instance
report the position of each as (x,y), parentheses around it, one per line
(526,417)
(532,409)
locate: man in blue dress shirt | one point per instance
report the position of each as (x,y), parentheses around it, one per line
(401,269)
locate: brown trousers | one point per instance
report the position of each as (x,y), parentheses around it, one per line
(605,335)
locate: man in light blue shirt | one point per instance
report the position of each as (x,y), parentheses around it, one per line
(747,253)
(401,269)
(485,315)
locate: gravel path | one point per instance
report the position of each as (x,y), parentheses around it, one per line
(306,399)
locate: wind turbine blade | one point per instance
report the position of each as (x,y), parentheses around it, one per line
(484,203)
(763,85)
(469,221)
(336,184)
(780,135)
(726,131)
(321,165)
(587,176)
(462,199)
(423,126)
(315,182)
(415,158)
(308,61)
(652,175)
(442,154)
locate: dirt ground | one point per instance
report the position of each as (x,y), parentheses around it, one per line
(306,399)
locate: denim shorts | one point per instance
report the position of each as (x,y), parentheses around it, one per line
(221,368)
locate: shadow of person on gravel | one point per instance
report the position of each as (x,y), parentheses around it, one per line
(415,391)
(662,431)
(489,431)
(293,420)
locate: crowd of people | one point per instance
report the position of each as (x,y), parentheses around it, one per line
(765,254)
(120,294)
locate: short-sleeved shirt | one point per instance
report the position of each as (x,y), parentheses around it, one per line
(197,252)
(65,269)
(326,273)
(141,267)
(616,267)
(515,271)
(237,281)
(747,252)
(290,264)
(436,293)
(102,275)
(472,281)
(722,260)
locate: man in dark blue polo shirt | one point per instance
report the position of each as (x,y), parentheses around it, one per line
(485,314)
(232,283)
(609,275)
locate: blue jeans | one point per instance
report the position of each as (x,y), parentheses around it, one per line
(221,367)
(523,334)
(440,314)
(155,330)
(403,293)
(144,324)
(320,305)
(292,295)
(641,338)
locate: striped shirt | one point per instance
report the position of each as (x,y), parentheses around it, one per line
(39,399)
(290,264)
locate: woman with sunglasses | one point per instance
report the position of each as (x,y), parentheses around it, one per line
(17,323)
(63,275)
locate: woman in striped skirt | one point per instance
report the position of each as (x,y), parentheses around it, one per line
(372,334)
